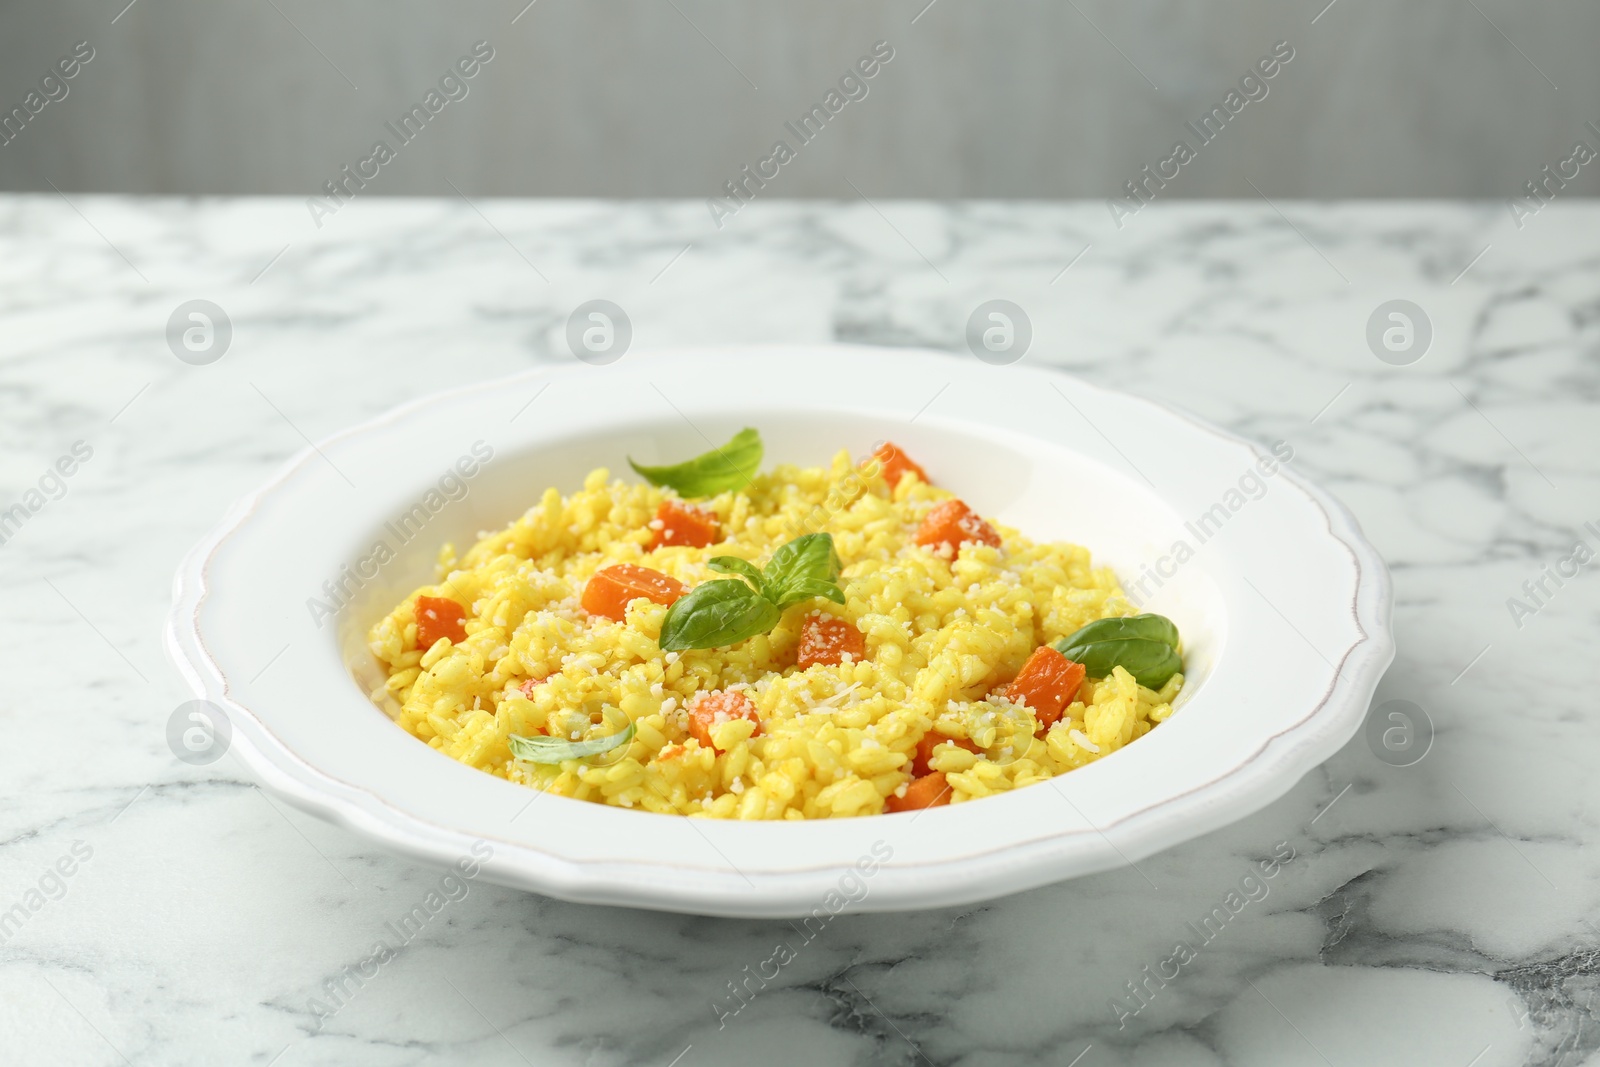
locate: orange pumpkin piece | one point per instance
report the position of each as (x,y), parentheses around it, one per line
(677,523)
(953,523)
(610,590)
(712,709)
(827,639)
(929,791)
(894,464)
(438,617)
(925,747)
(1047,684)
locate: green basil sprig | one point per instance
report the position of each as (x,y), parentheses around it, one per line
(729,467)
(715,614)
(800,569)
(1146,646)
(726,611)
(556,749)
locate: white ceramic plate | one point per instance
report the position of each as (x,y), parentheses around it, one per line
(1284,608)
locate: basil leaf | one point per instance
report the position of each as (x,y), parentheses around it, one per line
(718,613)
(729,467)
(806,588)
(800,569)
(1146,646)
(1150,662)
(808,556)
(556,749)
(735,565)
(726,612)
(1148,627)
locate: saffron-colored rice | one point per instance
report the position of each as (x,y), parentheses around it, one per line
(944,633)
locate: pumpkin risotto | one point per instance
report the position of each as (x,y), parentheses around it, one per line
(801,644)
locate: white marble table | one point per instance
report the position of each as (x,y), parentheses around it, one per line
(1439,913)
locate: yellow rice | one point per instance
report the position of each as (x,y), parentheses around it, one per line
(943,636)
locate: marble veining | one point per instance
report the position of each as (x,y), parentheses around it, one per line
(1439,913)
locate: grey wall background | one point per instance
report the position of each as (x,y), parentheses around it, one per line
(996,98)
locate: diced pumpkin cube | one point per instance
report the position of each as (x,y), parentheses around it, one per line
(930,741)
(710,710)
(611,590)
(952,523)
(828,639)
(929,791)
(1047,683)
(677,523)
(894,464)
(438,617)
